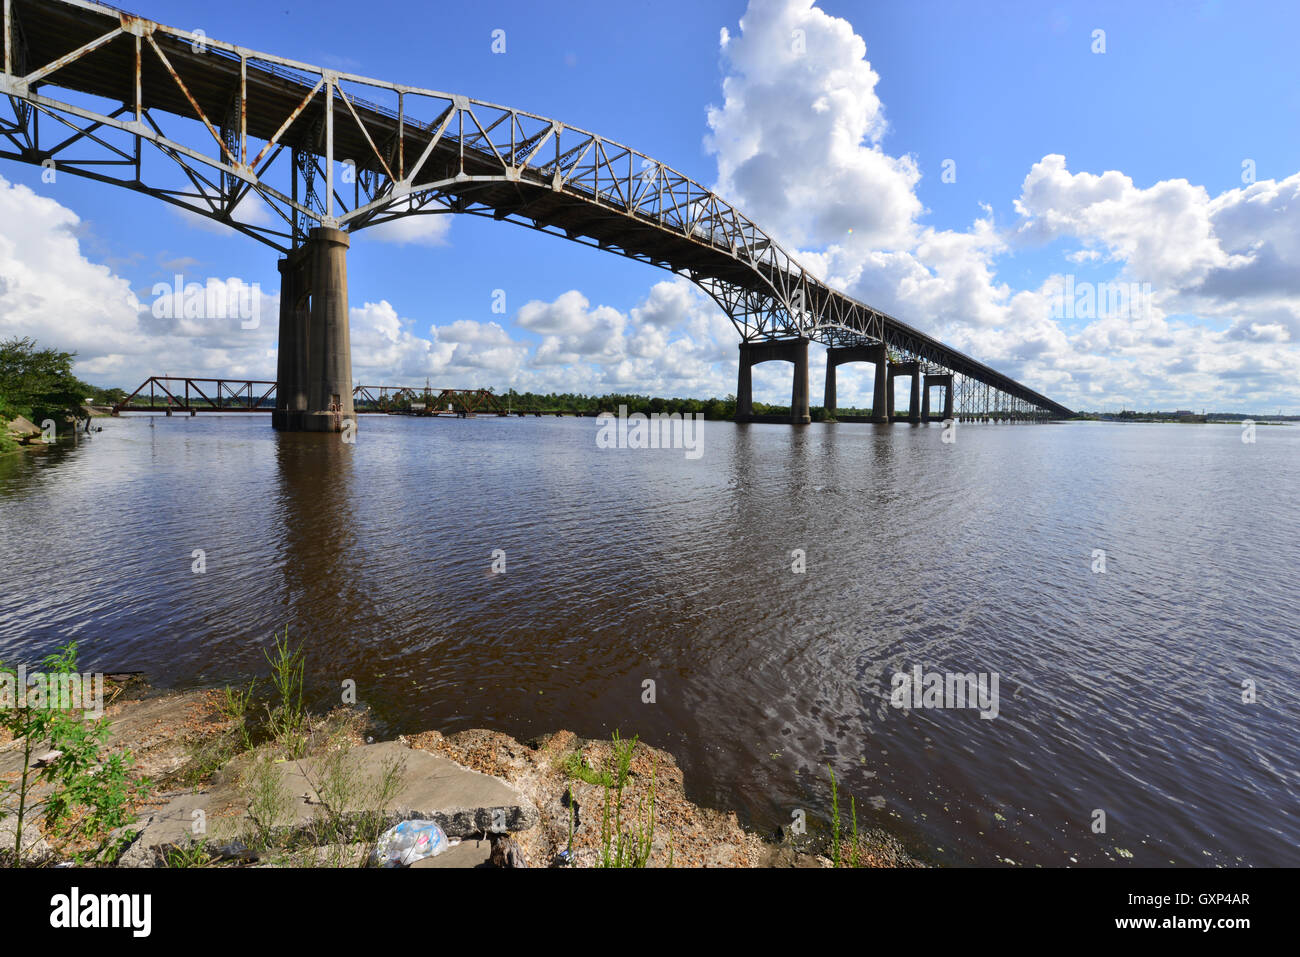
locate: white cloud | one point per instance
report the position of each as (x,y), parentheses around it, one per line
(51,292)
(800,139)
(1164,233)
(799,142)
(418,229)
(797,137)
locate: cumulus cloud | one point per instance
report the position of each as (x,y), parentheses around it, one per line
(421,229)
(1164,234)
(674,342)
(51,292)
(797,137)
(1208,259)
(801,146)
(48,289)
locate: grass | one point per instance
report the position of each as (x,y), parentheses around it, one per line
(854,858)
(193,854)
(855,845)
(352,806)
(352,814)
(620,847)
(287,718)
(575,765)
(870,848)
(835,820)
(236,706)
(207,756)
(269,802)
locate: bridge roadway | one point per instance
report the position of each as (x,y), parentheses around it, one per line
(330,162)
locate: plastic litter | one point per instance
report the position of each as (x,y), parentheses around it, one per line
(410,841)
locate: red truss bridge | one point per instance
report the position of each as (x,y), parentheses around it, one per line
(189,395)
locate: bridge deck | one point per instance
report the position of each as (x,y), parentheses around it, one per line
(525,171)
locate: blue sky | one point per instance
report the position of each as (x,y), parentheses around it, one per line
(1183,91)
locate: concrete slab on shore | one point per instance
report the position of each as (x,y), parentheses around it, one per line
(462,802)
(469,853)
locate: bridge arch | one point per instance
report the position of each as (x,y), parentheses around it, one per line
(302,140)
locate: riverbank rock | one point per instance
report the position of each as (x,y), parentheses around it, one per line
(543,800)
(35,849)
(20,426)
(684,834)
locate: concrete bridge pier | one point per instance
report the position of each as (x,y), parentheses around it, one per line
(314,376)
(878,355)
(784,350)
(913,371)
(932,379)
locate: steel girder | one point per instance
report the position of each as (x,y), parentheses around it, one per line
(299,140)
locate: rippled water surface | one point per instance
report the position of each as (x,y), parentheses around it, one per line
(1119,691)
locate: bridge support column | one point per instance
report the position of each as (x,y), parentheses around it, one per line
(745,386)
(829,399)
(879,356)
(800,414)
(788,350)
(291,361)
(932,379)
(314,379)
(913,370)
(880,411)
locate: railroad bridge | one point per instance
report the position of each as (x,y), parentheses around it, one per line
(206,125)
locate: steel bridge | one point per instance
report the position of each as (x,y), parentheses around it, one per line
(209,126)
(190,395)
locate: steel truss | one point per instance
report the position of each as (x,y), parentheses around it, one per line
(188,394)
(297,139)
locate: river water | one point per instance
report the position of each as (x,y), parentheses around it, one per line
(1119,691)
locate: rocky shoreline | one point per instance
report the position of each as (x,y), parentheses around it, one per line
(556,800)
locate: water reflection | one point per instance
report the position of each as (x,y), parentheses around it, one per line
(626,566)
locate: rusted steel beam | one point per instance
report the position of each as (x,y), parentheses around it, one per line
(473,156)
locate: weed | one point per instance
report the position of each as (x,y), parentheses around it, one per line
(192,854)
(269,801)
(835,820)
(235,706)
(354,807)
(621,848)
(575,766)
(90,795)
(287,719)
